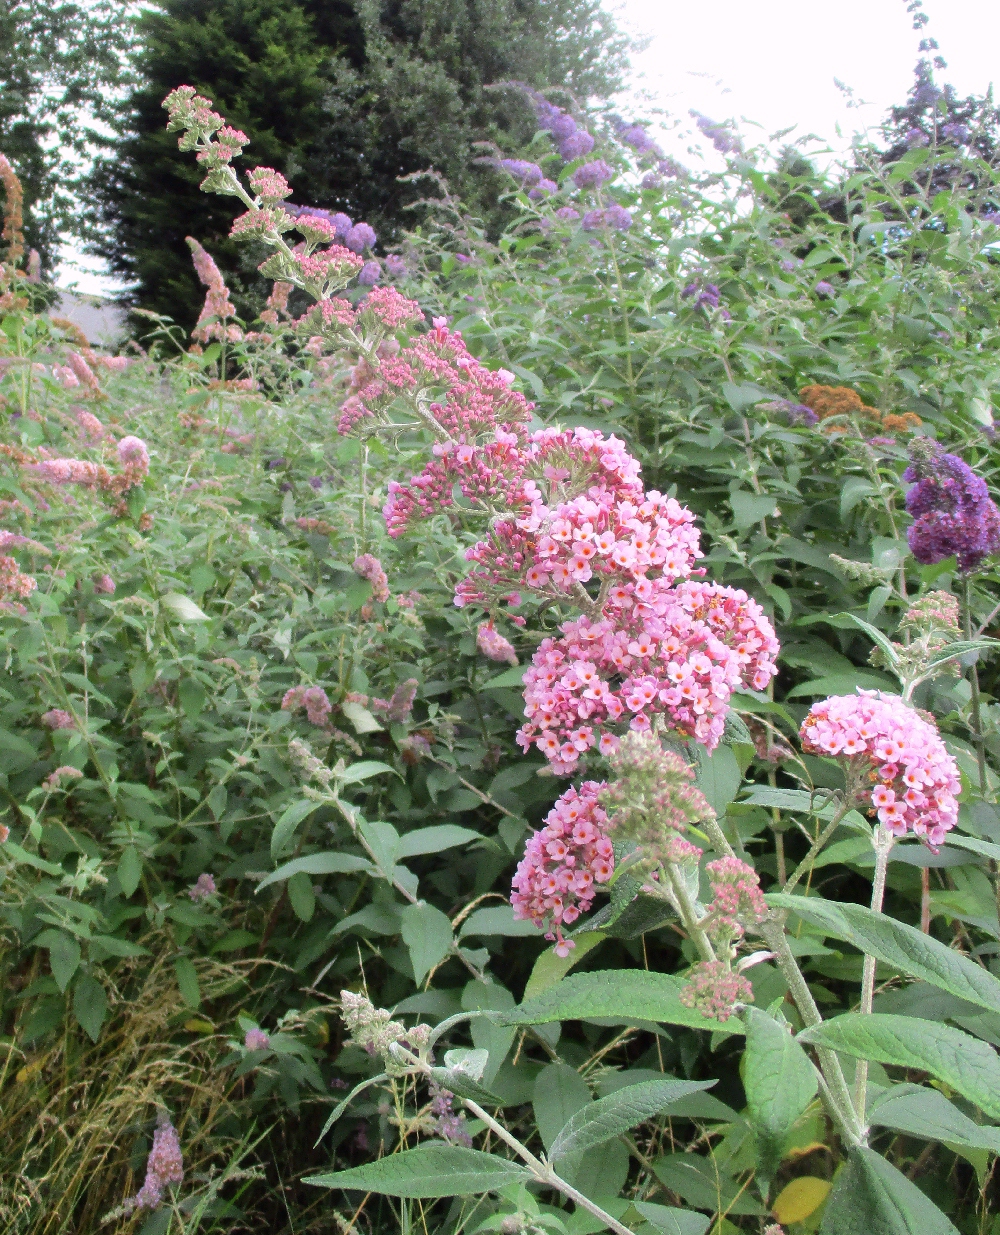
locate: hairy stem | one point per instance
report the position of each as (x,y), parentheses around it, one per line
(836,1093)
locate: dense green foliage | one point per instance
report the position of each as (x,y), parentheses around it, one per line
(343,98)
(390,873)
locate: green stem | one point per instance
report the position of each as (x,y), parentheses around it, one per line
(977,721)
(683,903)
(883,843)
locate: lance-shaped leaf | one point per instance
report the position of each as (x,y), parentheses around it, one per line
(318,864)
(968,1065)
(780,1082)
(870,1197)
(901,946)
(431,1170)
(669,1221)
(926,1113)
(342,1106)
(630,994)
(600,1121)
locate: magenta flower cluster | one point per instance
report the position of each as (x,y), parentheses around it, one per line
(313,698)
(493,645)
(902,769)
(556,879)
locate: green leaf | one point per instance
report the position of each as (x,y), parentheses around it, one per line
(430,1170)
(844,684)
(129,870)
(486,1035)
(669,1221)
(182,608)
(870,1197)
(290,819)
(111,945)
(187,981)
(509,677)
(301,896)
(718,777)
(90,1005)
(630,994)
(780,1082)
(927,1113)
(876,636)
(364,771)
(750,508)
(903,947)
(344,1103)
(383,840)
(550,968)
(319,864)
(969,1065)
(498,920)
(360,718)
(427,933)
(465,1086)
(64,955)
(797,800)
(855,488)
(560,1093)
(434,840)
(625,1108)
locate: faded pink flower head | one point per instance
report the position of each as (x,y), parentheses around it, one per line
(493,645)
(56,718)
(203,888)
(313,698)
(256,1040)
(54,779)
(165,1165)
(714,990)
(369,567)
(133,453)
(104,584)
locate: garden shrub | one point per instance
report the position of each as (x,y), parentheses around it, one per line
(644,473)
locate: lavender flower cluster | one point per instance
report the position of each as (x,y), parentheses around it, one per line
(953,512)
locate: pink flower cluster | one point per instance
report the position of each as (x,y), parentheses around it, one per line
(493,645)
(736,898)
(677,651)
(14,583)
(257,1040)
(901,764)
(165,1165)
(57,718)
(313,699)
(556,878)
(713,989)
(218,308)
(476,400)
(202,888)
(369,567)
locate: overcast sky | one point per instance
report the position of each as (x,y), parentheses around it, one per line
(774,63)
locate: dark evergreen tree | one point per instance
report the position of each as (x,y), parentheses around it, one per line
(343,97)
(59,66)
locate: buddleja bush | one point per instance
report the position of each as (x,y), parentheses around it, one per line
(247,743)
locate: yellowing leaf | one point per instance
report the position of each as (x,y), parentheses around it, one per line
(197,1025)
(182,608)
(800,1151)
(800,1198)
(29,1070)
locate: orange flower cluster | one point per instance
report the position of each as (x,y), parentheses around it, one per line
(842,401)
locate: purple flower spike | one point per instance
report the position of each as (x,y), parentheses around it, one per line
(953,511)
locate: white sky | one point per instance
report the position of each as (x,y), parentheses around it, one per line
(774,63)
